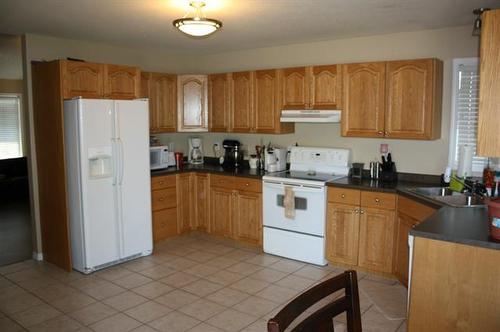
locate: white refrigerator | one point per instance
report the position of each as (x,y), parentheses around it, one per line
(108,181)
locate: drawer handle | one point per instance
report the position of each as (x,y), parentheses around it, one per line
(343,195)
(161,199)
(246,184)
(377,200)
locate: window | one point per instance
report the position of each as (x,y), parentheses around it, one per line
(10,127)
(464,113)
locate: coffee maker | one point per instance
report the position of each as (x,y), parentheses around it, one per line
(195,155)
(233,155)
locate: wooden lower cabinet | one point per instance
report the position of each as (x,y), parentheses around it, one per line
(221,209)
(376,239)
(342,233)
(201,196)
(184,202)
(164,206)
(247,217)
(360,229)
(405,224)
(410,214)
(164,224)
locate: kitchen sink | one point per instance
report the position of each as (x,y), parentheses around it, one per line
(449,197)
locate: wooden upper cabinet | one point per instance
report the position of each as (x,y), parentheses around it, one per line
(218,102)
(242,103)
(164,101)
(82,79)
(488,141)
(326,87)
(267,103)
(295,88)
(363,99)
(146,79)
(413,99)
(122,82)
(192,111)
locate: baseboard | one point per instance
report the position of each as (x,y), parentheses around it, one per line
(38,256)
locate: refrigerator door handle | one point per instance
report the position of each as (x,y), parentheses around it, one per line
(114,153)
(121,163)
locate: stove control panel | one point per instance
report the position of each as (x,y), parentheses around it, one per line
(319,156)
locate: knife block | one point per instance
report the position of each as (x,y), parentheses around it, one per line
(389,175)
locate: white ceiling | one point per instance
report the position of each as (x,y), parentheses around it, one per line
(247,23)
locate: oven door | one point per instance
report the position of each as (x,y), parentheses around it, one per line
(310,208)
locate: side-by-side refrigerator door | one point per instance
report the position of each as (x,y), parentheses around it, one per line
(98,171)
(134,179)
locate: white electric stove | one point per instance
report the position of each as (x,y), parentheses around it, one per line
(301,237)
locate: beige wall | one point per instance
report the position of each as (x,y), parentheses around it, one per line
(429,157)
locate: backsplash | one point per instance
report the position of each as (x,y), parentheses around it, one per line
(411,156)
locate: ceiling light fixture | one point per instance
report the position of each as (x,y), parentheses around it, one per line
(476,30)
(198,25)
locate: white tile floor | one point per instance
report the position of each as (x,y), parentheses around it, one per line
(191,283)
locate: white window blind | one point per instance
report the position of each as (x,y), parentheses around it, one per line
(10,127)
(465,111)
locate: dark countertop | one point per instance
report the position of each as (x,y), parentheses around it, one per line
(460,225)
(211,168)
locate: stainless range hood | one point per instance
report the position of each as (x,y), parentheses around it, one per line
(309,116)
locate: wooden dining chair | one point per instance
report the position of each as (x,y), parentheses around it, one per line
(322,319)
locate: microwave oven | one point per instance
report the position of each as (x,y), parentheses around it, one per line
(160,157)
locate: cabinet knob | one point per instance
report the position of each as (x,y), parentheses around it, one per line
(356,211)
(161,182)
(161,199)
(380,132)
(377,200)
(386,133)
(343,195)
(246,184)
(362,212)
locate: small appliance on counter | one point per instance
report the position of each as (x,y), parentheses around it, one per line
(275,160)
(233,155)
(357,170)
(161,157)
(195,155)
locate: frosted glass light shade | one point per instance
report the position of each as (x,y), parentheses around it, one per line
(197,27)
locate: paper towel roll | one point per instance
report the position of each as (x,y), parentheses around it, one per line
(465,161)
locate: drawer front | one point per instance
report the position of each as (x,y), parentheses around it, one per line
(161,182)
(245,184)
(164,199)
(164,224)
(221,181)
(344,196)
(414,209)
(378,200)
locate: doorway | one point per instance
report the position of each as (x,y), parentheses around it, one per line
(15,218)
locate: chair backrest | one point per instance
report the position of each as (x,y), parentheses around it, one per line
(322,319)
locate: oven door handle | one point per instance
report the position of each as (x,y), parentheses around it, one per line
(299,188)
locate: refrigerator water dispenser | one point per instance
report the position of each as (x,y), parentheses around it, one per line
(100,163)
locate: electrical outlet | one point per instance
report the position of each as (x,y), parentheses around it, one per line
(217,146)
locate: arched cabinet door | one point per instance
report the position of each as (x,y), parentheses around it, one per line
(242,106)
(364,99)
(326,87)
(192,112)
(82,79)
(122,82)
(295,89)
(219,102)
(413,106)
